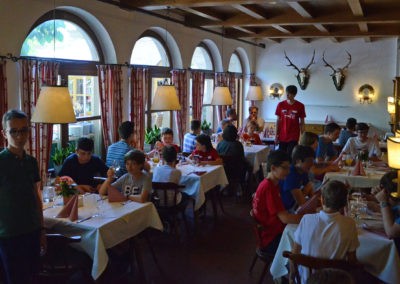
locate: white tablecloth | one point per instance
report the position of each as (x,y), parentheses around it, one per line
(377,253)
(370,180)
(256,154)
(116,224)
(196,186)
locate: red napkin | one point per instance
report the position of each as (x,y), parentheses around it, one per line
(311,205)
(358,169)
(114,195)
(70,209)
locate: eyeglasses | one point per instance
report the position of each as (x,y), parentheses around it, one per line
(15,132)
(253,112)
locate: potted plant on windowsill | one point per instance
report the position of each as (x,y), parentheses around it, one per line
(59,156)
(151,136)
(206,127)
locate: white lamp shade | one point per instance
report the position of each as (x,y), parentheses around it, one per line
(166,98)
(254,94)
(54,105)
(393,146)
(221,97)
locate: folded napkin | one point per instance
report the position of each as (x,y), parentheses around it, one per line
(114,195)
(311,205)
(70,210)
(358,169)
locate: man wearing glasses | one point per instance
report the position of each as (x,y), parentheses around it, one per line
(253,116)
(21,216)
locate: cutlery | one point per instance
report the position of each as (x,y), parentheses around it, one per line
(87,218)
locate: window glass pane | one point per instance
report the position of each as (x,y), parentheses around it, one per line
(234,64)
(90,129)
(201,59)
(207,114)
(159,118)
(71,42)
(84,94)
(208,91)
(149,51)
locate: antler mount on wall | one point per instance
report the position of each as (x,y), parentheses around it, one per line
(303,74)
(339,74)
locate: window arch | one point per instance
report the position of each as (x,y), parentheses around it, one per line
(149,50)
(235,65)
(78,49)
(201,59)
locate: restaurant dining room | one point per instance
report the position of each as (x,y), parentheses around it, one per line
(160,141)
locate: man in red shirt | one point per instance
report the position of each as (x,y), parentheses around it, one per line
(290,121)
(268,207)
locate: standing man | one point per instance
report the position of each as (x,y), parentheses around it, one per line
(21,216)
(290,121)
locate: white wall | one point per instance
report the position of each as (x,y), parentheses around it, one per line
(372,62)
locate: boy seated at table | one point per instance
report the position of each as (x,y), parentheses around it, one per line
(167,139)
(268,208)
(168,173)
(136,184)
(83,165)
(296,187)
(327,234)
(251,135)
(205,152)
(325,150)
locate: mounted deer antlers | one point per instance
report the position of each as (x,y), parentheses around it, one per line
(303,74)
(338,75)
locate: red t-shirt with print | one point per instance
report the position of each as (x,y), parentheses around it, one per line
(289,123)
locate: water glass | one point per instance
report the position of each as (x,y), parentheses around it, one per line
(48,194)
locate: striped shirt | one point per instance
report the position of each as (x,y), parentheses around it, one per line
(116,152)
(189,142)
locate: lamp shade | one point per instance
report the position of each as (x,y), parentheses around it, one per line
(221,97)
(54,105)
(166,98)
(393,146)
(254,94)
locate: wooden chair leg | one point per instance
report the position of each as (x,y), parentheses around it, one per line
(265,269)
(219,198)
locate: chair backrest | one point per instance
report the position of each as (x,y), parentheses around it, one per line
(258,229)
(317,263)
(235,167)
(165,194)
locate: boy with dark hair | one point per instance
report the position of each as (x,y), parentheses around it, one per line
(136,183)
(189,140)
(348,132)
(268,208)
(297,185)
(82,165)
(290,121)
(327,234)
(117,150)
(326,151)
(167,139)
(21,217)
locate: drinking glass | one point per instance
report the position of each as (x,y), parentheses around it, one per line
(48,194)
(349,160)
(116,166)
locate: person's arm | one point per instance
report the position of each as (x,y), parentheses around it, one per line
(302,125)
(296,248)
(308,189)
(298,196)
(278,130)
(144,195)
(218,161)
(104,186)
(392,229)
(287,218)
(322,169)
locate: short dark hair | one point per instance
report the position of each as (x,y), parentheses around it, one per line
(169,154)
(351,123)
(330,276)
(331,127)
(276,158)
(204,140)
(230,111)
(225,121)
(12,114)
(253,107)
(335,194)
(387,182)
(85,144)
(362,126)
(230,133)
(126,129)
(195,124)
(301,153)
(291,89)
(308,138)
(167,130)
(136,156)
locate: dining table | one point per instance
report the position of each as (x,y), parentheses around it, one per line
(376,252)
(102,226)
(256,155)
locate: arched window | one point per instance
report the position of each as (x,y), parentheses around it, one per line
(72,40)
(235,65)
(202,60)
(151,50)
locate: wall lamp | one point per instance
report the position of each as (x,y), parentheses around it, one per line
(365,94)
(275,91)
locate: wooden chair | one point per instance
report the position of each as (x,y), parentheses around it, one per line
(164,198)
(61,261)
(315,263)
(264,257)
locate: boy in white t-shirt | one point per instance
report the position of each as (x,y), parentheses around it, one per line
(327,234)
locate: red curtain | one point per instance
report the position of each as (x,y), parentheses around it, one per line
(139,79)
(3,97)
(179,79)
(232,88)
(197,94)
(34,74)
(110,89)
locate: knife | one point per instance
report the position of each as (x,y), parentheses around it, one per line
(85,219)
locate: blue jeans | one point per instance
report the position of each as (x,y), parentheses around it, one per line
(20,257)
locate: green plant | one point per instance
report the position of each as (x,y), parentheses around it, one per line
(61,154)
(67,189)
(205,125)
(152,135)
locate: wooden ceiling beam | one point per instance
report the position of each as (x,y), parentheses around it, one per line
(203,14)
(150,4)
(248,12)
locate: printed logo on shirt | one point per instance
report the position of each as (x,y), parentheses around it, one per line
(127,190)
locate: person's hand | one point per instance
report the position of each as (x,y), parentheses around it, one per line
(111,173)
(159,145)
(85,188)
(334,167)
(382,196)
